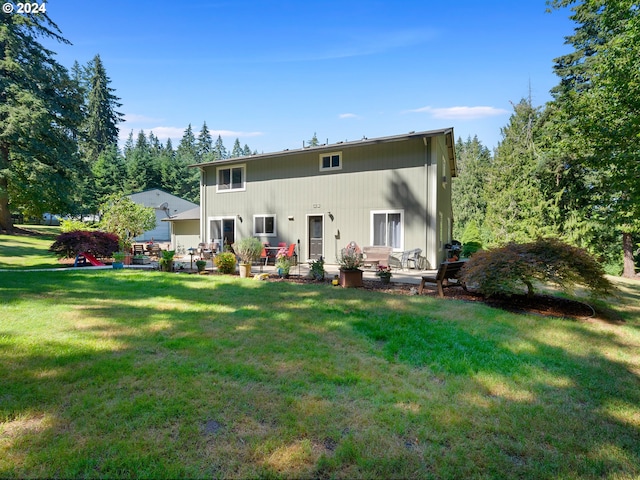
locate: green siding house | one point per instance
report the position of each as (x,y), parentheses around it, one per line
(391,191)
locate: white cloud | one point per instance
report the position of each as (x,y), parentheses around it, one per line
(461,113)
(135,118)
(348,115)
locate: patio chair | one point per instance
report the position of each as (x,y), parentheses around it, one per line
(138,249)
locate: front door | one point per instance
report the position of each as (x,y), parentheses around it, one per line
(316,248)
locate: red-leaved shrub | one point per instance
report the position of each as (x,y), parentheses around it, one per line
(95,242)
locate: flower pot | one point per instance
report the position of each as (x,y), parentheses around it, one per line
(117,265)
(350,278)
(385,279)
(245,270)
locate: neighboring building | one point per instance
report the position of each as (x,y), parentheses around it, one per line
(165,205)
(185,229)
(393,191)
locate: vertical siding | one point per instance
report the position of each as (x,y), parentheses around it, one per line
(384,176)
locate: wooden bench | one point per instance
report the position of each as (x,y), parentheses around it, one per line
(376,256)
(447,272)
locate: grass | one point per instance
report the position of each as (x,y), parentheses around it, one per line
(29,252)
(147,374)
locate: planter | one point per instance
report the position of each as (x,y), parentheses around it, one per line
(117,265)
(245,270)
(350,278)
(141,261)
(385,279)
(283,272)
(127,259)
(166,266)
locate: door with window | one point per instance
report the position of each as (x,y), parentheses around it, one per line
(223,231)
(315,240)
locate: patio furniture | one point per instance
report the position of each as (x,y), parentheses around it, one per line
(447,273)
(375,256)
(403,259)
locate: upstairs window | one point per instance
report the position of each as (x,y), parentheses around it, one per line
(230,178)
(331,161)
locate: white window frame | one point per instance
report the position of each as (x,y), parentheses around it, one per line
(400,248)
(242,167)
(330,155)
(263,216)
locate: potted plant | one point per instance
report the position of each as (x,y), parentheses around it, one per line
(166,261)
(350,262)
(141,259)
(384,273)
(200,265)
(118,258)
(283,263)
(249,250)
(316,271)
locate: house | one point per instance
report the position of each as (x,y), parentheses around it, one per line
(185,229)
(165,205)
(393,191)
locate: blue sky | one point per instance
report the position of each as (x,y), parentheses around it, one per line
(272,73)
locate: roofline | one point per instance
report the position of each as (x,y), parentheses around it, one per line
(330,147)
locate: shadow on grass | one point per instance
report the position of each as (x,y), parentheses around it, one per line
(300,380)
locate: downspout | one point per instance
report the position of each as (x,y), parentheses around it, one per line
(203,203)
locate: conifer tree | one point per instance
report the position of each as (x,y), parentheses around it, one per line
(102,115)
(219,150)
(204,145)
(40,116)
(237,149)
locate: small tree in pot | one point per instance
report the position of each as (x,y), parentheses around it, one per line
(350,262)
(249,250)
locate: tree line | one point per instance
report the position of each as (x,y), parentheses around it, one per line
(570,168)
(59,134)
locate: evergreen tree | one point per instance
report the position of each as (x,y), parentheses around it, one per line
(204,145)
(237,149)
(109,173)
(314,141)
(39,120)
(517,208)
(186,180)
(102,118)
(246,151)
(600,95)
(142,173)
(219,150)
(467,196)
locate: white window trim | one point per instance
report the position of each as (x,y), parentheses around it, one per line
(264,215)
(243,166)
(371,226)
(330,168)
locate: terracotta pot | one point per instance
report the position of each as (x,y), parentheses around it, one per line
(350,278)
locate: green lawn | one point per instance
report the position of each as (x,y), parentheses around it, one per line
(147,374)
(30,252)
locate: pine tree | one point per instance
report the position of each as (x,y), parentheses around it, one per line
(600,95)
(204,145)
(237,149)
(467,196)
(102,118)
(219,150)
(517,208)
(40,116)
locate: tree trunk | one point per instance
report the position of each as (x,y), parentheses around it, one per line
(6,222)
(629,269)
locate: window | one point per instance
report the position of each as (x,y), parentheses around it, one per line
(387,229)
(331,161)
(231,178)
(264,225)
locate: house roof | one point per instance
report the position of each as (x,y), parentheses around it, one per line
(193,214)
(447,132)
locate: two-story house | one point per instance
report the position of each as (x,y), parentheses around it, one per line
(393,191)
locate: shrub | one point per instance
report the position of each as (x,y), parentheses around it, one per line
(225,262)
(317,269)
(350,257)
(72,225)
(470,248)
(97,243)
(248,249)
(507,269)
